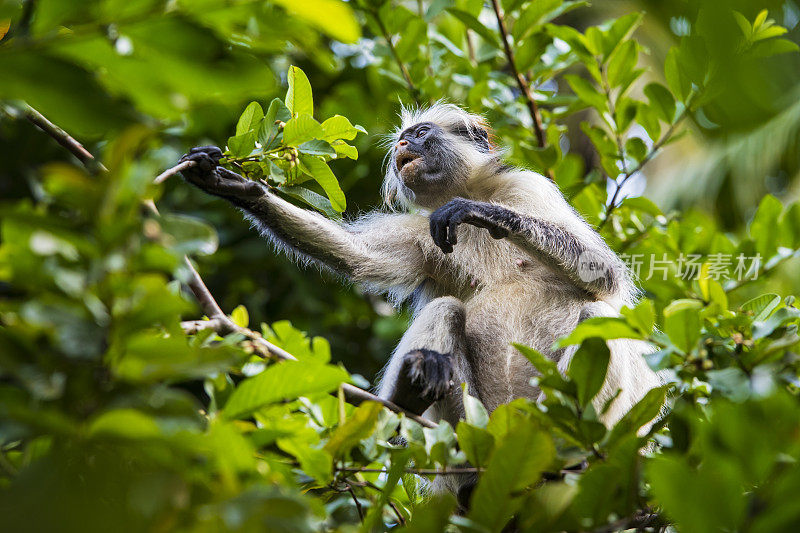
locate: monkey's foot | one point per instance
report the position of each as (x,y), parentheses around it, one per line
(206,174)
(425,377)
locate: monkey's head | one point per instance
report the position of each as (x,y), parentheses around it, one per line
(434,153)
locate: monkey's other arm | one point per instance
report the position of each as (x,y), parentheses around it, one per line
(570,251)
(378,251)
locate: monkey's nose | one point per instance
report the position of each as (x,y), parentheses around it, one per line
(401,143)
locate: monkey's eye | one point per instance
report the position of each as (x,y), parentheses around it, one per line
(422,131)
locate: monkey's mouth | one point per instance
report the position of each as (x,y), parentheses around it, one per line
(407,161)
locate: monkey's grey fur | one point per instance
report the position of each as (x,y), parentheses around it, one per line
(488,255)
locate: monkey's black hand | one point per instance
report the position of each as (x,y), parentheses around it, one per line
(444,221)
(425,377)
(206,174)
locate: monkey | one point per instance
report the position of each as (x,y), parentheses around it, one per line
(485,254)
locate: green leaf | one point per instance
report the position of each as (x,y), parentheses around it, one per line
(357,427)
(286,380)
(640,414)
(299,100)
(242,145)
(642,316)
(682,323)
(477,443)
(323,175)
(517,463)
(240,316)
(312,199)
(621,62)
(763,228)
(587,92)
(250,119)
(301,129)
(661,100)
(475,25)
(125,423)
(602,327)
(476,413)
(708,498)
(678,83)
(334,17)
(588,368)
(762,306)
(433,514)
(338,127)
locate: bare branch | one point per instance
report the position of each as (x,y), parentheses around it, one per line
(164,176)
(60,136)
(523,83)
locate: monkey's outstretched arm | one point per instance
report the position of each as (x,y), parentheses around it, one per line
(582,255)
(352,251)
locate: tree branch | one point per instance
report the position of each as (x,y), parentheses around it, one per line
(403,70)
(219,321)
(164,176)
(522,83)
(639,520)
(61,137)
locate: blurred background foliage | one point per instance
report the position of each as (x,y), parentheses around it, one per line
(85,276)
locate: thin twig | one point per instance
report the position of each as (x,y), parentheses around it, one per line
(164,176)
(403,70)
(61,137)
(221,323)
(612,204)
(358,504)
(523,84)
(397,513)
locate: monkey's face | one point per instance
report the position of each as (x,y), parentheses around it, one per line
(424,158)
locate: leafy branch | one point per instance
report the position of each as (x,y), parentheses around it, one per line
(620,182)
(217,319)
(522,82)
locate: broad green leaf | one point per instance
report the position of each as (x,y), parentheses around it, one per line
(601,327)
(242,145)
(357,427)
(762,306)
(323,175)
(334,17)
(642,316)
(286,380)
(125,423)
(475,25)
(301,129)
(621,62)
(309,197)
(708,498)
(763,228)
(588,368)
(299,100)
(640,414)
(250,119)
(661,100)
(433,514)
(682,323)
(338,127)
(477,443)
(587,92)
(473,408)
(517,462)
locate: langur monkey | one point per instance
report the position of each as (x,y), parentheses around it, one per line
(484,253)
